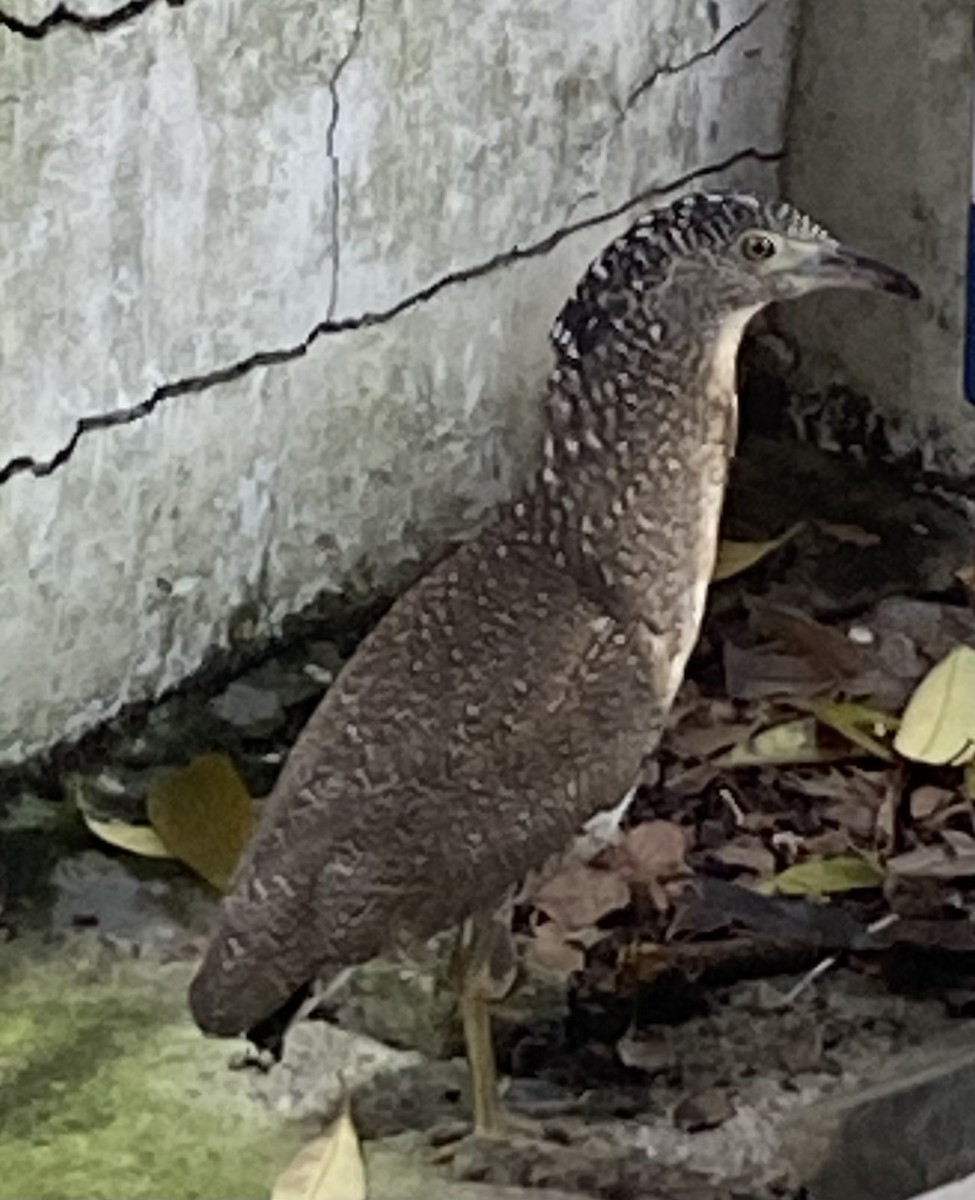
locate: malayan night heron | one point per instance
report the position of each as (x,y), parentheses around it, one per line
(516,689)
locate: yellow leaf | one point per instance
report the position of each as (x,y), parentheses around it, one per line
(137,839)
(204,816)
(736,557)
(791,742)
(858,723)
(329,1168)
(823,876)
(968,785)
(938,725)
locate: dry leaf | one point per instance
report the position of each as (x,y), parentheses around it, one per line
(757,672)
(748,853)
(551,949)
(938,725)
(825,876)
(579,895)
(927,800)
(137,839)
(856,535)
(204,816)
(736,557)
(329,1168)
(830,650)
(653,850)
(932,862)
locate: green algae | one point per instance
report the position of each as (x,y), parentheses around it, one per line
(108,1092)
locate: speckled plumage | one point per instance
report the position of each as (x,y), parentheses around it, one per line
(514,691)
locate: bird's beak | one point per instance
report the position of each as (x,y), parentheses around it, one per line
(832,265)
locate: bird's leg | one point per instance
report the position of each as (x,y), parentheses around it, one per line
(472,954)
(482,971)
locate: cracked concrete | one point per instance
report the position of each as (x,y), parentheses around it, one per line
(62,16)
(333,158)
(194,384)
(176,199)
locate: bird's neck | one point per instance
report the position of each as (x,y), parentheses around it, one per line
(636,451)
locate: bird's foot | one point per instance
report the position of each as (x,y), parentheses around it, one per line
(449,1142)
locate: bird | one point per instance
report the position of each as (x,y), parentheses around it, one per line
(518,687)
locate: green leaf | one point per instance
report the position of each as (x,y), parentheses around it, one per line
(795,741)
(137,839)
(859,724)
(824,877)
(736,557)
(938,725)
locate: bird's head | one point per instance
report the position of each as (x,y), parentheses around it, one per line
(702,261)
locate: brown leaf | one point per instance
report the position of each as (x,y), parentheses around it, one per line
(927,800)
(653,851)
(748,853)
(859,818)
(580,895)
(856,535)
(550,948)
(802,634)
(932,862)
(757,673)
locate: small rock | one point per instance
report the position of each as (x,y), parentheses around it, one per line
(803,1050)
(704,1110)
(655,1055)
(250,709)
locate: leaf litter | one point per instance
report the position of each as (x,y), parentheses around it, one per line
(812,802)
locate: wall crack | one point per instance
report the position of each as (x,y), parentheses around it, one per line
(333,158)
(63,17)
(672,68)
(262,359)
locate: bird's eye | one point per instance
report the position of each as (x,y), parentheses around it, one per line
(757,246)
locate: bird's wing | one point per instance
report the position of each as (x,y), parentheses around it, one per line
(486,717)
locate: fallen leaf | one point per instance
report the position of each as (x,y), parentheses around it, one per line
(927,800)
(579,895)
(828,648)
(652,850)
(551,948)
(938,725)
(137,839)
(932,862)
(329,1168)
(204,816)
(795,741)
(736,557)
(856,535)
(852,815)
(703,741)
(967,576)
(968,784)
(747,853)
(758,672)
(824,876)
(858,723)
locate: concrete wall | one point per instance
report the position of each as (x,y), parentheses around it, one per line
(880,148)
(276,284)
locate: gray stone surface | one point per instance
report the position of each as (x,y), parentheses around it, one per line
(880,137)
(201,183)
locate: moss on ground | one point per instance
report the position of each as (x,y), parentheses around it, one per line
(107,1090)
